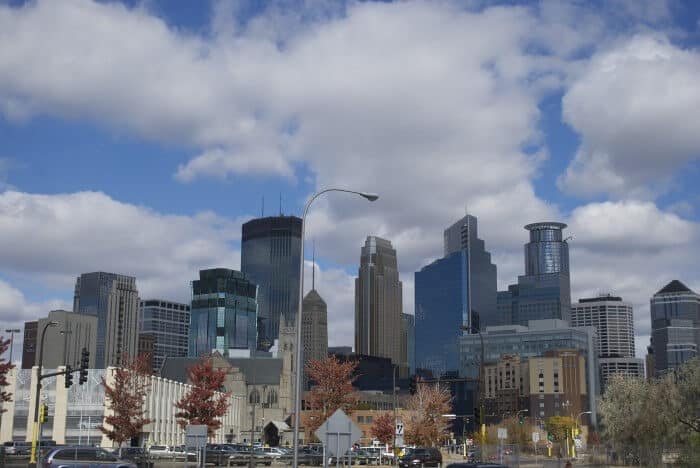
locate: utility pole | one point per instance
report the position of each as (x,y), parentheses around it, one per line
(393,445)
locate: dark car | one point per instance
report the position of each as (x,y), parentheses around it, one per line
(138,455)
(306,456)
(353,457)
(476,465)
(81,456)
(420,456)
(219,454)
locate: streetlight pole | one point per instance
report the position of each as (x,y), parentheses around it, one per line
(12,332)
(573,444)
(297,369)
(37,395)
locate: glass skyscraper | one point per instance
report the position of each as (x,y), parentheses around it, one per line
(544,292)
(675,326)
(169,323)
(456,291)
(270,258)
(223,313)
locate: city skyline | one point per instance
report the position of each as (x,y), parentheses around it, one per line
(150,177)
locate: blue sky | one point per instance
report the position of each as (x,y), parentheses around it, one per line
(137,136)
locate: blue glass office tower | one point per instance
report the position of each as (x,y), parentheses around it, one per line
(456,291)
(270,258)
(544,292)
(223,313)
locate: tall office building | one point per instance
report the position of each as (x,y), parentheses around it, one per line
(378,301)
(168,323)
(270,258)
(453,293)
(675,326)
(114,300)
(544,292)
(314,323)
(614,323)
(29,345)
(223,313)
(65,342)
(408,344)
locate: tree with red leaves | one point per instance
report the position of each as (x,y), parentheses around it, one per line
(332,390)
(206,401)
(5,367)
(383,428)
(427,426)
(125,400)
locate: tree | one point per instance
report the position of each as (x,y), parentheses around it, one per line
(5,367)
(683,395)
(206,401)
(557,427)
(125,400)
(383,428)
(427,426)
(333,390)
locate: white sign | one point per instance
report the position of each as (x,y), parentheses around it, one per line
(196,435)
(338,433)
(399,428)
(535,437)
(578,443)
(502,433)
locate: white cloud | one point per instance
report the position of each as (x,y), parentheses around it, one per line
(635,107)
(60,236)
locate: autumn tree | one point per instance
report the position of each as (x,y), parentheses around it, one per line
(427,426)
(557,427)
(332,390)
(125,400)
(383,428)
(5,367)
(207,400)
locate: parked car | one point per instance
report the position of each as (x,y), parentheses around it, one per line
(81,456)
(352,457)
(138,455)
(159,452)
(18,448)
(476,465)
(182,453)
(306,456)
(422,457)
(219,454)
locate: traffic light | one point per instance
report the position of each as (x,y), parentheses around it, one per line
(43,412)
(68,376)
(412,385)
(550,437)
(521,420)
(84,363)
(477,415)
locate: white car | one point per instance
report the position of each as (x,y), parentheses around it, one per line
(158,452)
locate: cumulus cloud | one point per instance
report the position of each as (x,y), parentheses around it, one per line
(635,107)
(60,236)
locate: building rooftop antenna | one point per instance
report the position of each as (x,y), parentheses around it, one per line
(280,203)
(313,271)
(262,207)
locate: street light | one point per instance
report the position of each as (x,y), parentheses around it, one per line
(297,387)
(573,445)
(33,458)
(12,332)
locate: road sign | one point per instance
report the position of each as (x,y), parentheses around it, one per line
(535,437)
(549,444)
(502,433)
(196,435)
(399,427)
(338,433)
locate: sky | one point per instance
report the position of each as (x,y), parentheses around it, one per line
(136,137)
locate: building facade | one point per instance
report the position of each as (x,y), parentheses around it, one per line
(408,343)
(270,258)
(65,342)
(544,292)
(314,331)
(114,300)
(675,326)
(75,414)
(453,293)
(168,323)
(29,345)
(538,339)
(378,301)
(223,313)
(614,323)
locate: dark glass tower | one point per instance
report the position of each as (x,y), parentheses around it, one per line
(223,313)
(270,258)
(546,252)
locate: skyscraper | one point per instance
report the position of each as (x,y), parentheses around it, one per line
(378,301)
(314,322)
(614,324)
(675,326)
(270,258)
(408,344)
(65,342)
(454,292)
(169,324)
(544,292)
(223,313)
(114,300)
